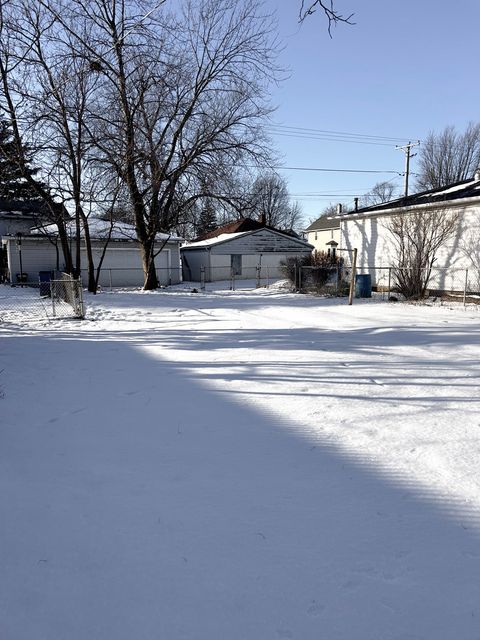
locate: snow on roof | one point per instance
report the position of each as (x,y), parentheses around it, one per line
(99,229)
(212,241)
(464,189)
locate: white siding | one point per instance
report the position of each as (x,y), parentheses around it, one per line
(261,241)
(319,239)
(376,247)
(122,265)
(263,248)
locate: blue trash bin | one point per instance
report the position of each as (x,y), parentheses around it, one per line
(363,285)
(44,278)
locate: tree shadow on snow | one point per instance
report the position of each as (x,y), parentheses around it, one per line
(143,503)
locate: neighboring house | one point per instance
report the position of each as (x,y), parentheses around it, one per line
(323,231)
(122,264)
(18,216)
(242,251)
(367,229)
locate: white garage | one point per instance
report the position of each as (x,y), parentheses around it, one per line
(122,265)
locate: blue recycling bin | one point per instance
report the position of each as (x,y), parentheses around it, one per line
(363,285)
(44,278)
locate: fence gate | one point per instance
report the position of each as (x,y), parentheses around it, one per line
(67,290)
(58,296)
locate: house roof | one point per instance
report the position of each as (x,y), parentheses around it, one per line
(241,225)
(227,237)
(323,223)
(237,226)
(456,191)
(99,230)
(26,208)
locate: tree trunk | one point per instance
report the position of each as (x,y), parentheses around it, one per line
(92,280)
(151,281)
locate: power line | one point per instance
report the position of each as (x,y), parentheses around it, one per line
(330,139)
(333,170)
(308,130)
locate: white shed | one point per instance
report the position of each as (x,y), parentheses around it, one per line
(243,252)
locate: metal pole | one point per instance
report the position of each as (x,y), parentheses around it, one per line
(110,275)
(202,278)
(81,304)
(465,288)
(258,276)
(352,278)
(389,280)
(52,296)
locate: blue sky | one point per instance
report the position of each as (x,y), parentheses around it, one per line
(403,69)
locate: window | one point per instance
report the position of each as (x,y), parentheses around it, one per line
(236,264)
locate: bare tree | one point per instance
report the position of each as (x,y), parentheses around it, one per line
(381,192)
(181,94)
(270,200)
(334,17)
(13,52)
(417,237)
(448,157)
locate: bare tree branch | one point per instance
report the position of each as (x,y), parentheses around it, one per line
(334,17)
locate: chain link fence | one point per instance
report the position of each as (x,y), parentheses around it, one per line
(120,277)
(221,278)
(60,296)
(444,282)
(331,281)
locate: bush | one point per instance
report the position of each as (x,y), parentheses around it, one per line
(313,271)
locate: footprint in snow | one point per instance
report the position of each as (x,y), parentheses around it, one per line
(315,609)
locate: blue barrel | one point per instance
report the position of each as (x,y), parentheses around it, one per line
(363,285)
(44,278)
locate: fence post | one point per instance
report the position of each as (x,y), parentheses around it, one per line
(389,281)
(110,276)
(232,279)
(81,304)
(465,288)
(202,278)
(352,279)
(52,296)
(258,267)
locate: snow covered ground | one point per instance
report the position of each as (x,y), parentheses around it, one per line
(241,466)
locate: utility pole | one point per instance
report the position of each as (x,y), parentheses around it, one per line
(407,150)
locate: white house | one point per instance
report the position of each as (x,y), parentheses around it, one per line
(322,231)
(367,229)
(40,250)
(244,252)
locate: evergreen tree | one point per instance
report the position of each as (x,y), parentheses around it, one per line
(13,184)
(207,219)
